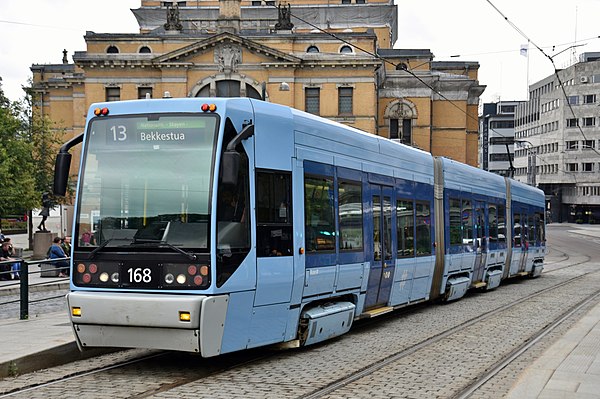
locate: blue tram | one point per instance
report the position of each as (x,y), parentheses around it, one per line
(216,225)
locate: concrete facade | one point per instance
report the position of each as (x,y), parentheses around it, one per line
(497,137)
(337,57)
(561,125)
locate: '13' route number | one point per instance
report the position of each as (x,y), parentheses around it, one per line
(119,133)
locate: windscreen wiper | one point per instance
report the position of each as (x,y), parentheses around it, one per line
(95,251)
(159,243)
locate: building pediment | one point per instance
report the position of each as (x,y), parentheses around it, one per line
(227,48)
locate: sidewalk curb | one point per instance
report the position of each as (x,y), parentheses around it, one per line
(62,354)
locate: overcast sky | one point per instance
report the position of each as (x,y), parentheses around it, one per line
(36,32)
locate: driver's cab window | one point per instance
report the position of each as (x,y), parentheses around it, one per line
(233,221)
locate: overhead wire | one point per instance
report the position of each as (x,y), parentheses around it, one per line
(556,74)
(409,71)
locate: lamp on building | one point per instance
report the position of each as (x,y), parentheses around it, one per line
(284,86)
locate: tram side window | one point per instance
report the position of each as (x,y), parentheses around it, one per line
(387,227)
(350,216)
(467,222)
(517,229)
(423,228)
(501,224)
(319,214)
(531,229)
(541,232)
(274,213)
(455,222)
(405,220)
(493,224)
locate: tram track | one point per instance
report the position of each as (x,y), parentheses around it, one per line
(240,359)
(480,380)
(217,369)
(468,391)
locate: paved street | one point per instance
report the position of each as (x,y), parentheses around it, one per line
(439,369)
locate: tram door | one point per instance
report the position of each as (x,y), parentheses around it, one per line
(480,241)
(382,255)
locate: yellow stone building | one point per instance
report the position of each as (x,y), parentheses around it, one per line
(335,58)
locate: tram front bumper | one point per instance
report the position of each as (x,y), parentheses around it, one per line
(155,321)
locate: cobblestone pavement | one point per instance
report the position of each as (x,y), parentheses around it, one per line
(439,370)
(39,303)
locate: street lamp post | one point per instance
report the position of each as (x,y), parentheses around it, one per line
(531,162)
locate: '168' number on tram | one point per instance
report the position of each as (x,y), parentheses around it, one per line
(139,275)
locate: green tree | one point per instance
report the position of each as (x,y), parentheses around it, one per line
(18,187)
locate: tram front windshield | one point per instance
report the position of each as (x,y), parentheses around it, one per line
(146,182)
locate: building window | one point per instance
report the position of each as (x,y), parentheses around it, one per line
(112,50)
(501,140)
(589,99)
(228,88)
(144,92)
(507,109)
(361,1)
(345,100)
(346,1)
(572,145)
(591,121)
(587,167)
(312,101)
(145,50)
(312,49)
(346,50)
(502,124)
(572,122)
(573,100)
(572,167)
(113,94)
(256,3)
(589,144)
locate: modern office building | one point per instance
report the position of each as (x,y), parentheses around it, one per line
(560,126)
(496,137)
(335,59)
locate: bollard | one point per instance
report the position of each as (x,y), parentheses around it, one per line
(24,273)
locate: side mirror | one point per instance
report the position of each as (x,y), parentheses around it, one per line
(61,173)
(230,166)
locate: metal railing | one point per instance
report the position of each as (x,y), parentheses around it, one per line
(23,283)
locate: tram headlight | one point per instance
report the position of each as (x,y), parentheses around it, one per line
(182,276)
(96,274)
(104,277)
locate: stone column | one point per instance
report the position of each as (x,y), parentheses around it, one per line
(41,242)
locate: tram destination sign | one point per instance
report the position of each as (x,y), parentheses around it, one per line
(142,132)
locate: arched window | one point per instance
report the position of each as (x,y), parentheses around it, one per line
(312,49)
(112,50)
(145,50)
(229,88)
(400,115)
(346,50)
